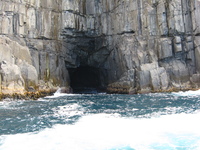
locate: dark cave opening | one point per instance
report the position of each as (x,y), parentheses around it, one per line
(85,79)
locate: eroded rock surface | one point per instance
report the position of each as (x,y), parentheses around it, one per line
(155,42)
(137,45)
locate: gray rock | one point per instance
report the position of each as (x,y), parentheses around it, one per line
(137,45)
(28,73)
(159,79)
(165,48)
(12,81)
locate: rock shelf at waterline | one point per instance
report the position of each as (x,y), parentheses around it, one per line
(67,91)
(35,95)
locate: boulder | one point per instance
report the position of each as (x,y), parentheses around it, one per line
(12,81)
(28,73)
(159,79)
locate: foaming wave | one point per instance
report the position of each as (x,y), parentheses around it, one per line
(113,132)
(187,93)
(68,111)
(10,104)
(56,95)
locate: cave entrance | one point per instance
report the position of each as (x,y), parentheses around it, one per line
(85,79)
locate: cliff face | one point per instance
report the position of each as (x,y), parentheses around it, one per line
(31,50)
(153,44)
(126,46)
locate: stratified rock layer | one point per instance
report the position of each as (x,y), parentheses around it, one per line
(136,45)
(153,44)
(31,50)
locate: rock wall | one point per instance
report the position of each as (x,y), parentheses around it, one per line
(153,45)
(137,45)
(31,56)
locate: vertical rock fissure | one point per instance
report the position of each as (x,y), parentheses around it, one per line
(131,46)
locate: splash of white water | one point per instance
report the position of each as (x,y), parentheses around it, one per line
(187,93)
(112,132)
(59,94)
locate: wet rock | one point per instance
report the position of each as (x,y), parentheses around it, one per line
(66,90)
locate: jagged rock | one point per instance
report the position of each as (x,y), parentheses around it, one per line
(177,44)
(159,79)
(144,81)
(197,52)
(29,73)
(5,52)
(195,79)
(165,48)
(195,7)
(65,90)
(12,81)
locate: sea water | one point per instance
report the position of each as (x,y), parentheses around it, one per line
(164,121)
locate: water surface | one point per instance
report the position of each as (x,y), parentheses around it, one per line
(164,121)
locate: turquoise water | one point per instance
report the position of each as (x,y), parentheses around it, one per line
(164,121)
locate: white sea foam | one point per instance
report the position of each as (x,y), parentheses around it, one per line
(69,110)
(187,93)
(112,132)
(56,95)
(10,104)
(59,94)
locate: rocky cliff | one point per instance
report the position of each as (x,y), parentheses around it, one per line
(153,44)
(30,45)
(124,46)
